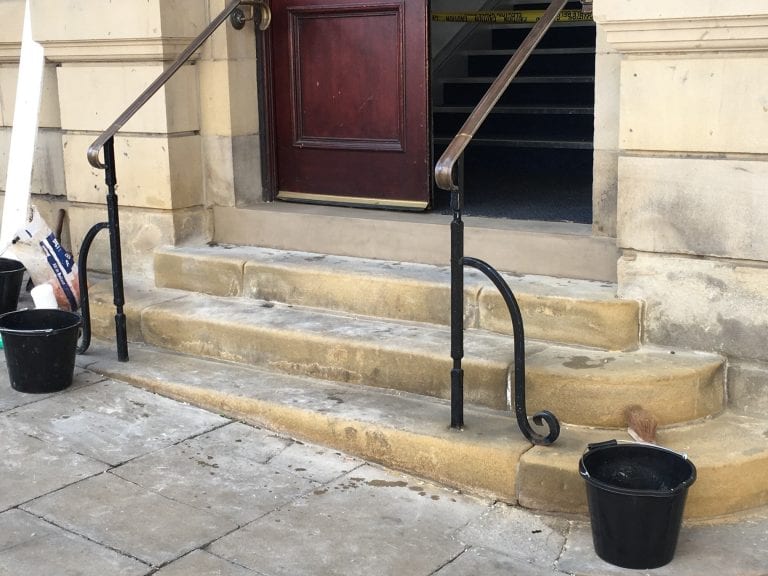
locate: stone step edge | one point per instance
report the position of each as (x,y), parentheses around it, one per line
(488,458)
(476,459)
(581,314)
(699,389)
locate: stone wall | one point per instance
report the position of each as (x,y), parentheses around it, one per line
(194,144)
(691,175)
(48,184)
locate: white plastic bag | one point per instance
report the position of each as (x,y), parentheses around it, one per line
(46,260)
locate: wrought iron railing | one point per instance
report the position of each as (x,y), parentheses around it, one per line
(450,165)
(106,142)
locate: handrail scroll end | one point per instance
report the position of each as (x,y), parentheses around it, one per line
(94,153)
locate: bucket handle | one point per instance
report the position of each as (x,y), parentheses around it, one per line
(31,332)
(614,442)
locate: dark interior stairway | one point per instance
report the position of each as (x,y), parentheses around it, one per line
(532,158)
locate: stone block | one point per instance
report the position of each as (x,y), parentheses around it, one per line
(218,173)
(604,323)
(619,10)
(228,97)
(208,274)
(694,206)
(49,101)
(246,163)
(694,105)
(748,388)
(92,97)
(699,304)
(604,192)
(48,164)
(607,67)
(152,171)
(141,232)
(228,101)
(215,111)
(686,26)
(110,21)
(12,17)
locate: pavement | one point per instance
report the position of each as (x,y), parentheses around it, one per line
(104,478)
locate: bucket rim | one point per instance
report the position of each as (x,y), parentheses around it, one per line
(612,444)
(77,321)
(21,267)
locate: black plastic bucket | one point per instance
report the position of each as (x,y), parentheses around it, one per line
(40,347)
(636,495)
(11,276)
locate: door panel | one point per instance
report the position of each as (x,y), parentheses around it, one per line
(350,101)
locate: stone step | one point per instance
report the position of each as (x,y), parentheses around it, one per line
(580,385)
(561,310)
(562,249)
(407,432)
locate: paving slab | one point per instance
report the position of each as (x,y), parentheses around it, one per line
(736,548)
(368,522)
(111,422)
(202,563)
(131,519)
(492,563)
(314,462)
(354,518)
(31,546)
(231,469)
(10,398)
(30,467)
(534,540)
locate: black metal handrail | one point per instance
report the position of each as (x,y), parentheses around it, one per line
(445,169)
(105,142)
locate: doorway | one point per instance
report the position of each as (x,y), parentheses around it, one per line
(532,158)
(354,117)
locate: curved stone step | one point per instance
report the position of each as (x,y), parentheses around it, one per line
(730,453)
(562,310)
(580,385)
(407,432)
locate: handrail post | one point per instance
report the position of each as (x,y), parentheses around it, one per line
(115,251)
(457,306)
(445,169)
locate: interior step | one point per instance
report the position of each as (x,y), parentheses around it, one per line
(560,35)
(542,62)
(521,123)
(523,91)
(411,433)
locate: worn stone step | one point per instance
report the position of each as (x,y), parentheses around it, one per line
(563,249)
(561,310)
(580,385)
(407,432)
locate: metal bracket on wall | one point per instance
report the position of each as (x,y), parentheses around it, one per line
(238,17)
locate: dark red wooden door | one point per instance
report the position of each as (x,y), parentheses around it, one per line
(351,101)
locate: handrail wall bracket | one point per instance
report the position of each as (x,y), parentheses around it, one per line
(449,167)
(106,142)
(238,17)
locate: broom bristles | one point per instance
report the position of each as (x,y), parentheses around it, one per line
(641,423)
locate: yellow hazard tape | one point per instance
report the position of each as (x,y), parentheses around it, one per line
(509,16)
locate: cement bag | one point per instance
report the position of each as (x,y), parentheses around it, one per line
(46,260)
